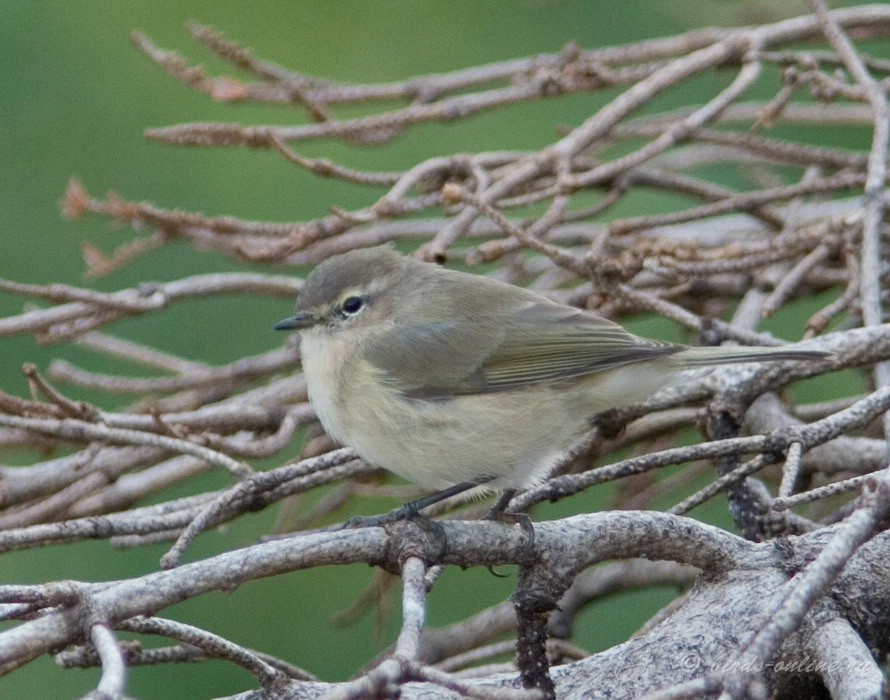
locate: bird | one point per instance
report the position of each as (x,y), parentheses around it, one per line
(463,384)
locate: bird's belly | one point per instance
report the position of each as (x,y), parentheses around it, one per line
(504,439)
(507,439)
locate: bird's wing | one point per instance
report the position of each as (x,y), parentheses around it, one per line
(551,342)
(543,342)
(431,360)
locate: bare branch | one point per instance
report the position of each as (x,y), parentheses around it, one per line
(114,670)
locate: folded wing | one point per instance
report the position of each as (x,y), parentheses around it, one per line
(542,343)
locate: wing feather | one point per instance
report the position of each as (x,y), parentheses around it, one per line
(543,342)
(552,343)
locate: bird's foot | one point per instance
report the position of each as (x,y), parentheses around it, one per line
(499,513)
(408,510)
(403,512)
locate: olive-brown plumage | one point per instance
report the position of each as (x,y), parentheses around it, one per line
(445,377)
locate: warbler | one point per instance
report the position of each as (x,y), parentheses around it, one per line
(454,380)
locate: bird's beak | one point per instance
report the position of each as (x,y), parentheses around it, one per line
(303,319)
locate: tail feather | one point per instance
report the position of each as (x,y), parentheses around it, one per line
(703,356)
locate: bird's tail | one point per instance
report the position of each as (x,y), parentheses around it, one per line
(704,356)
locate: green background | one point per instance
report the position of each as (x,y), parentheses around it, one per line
(75,97)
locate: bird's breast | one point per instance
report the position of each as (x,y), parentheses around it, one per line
(327,363)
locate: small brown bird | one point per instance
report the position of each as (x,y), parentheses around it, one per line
(452,380)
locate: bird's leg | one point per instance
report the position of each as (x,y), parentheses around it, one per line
(411,509)
(499,513)
(499,509)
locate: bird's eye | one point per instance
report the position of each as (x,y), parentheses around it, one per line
(352,305)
